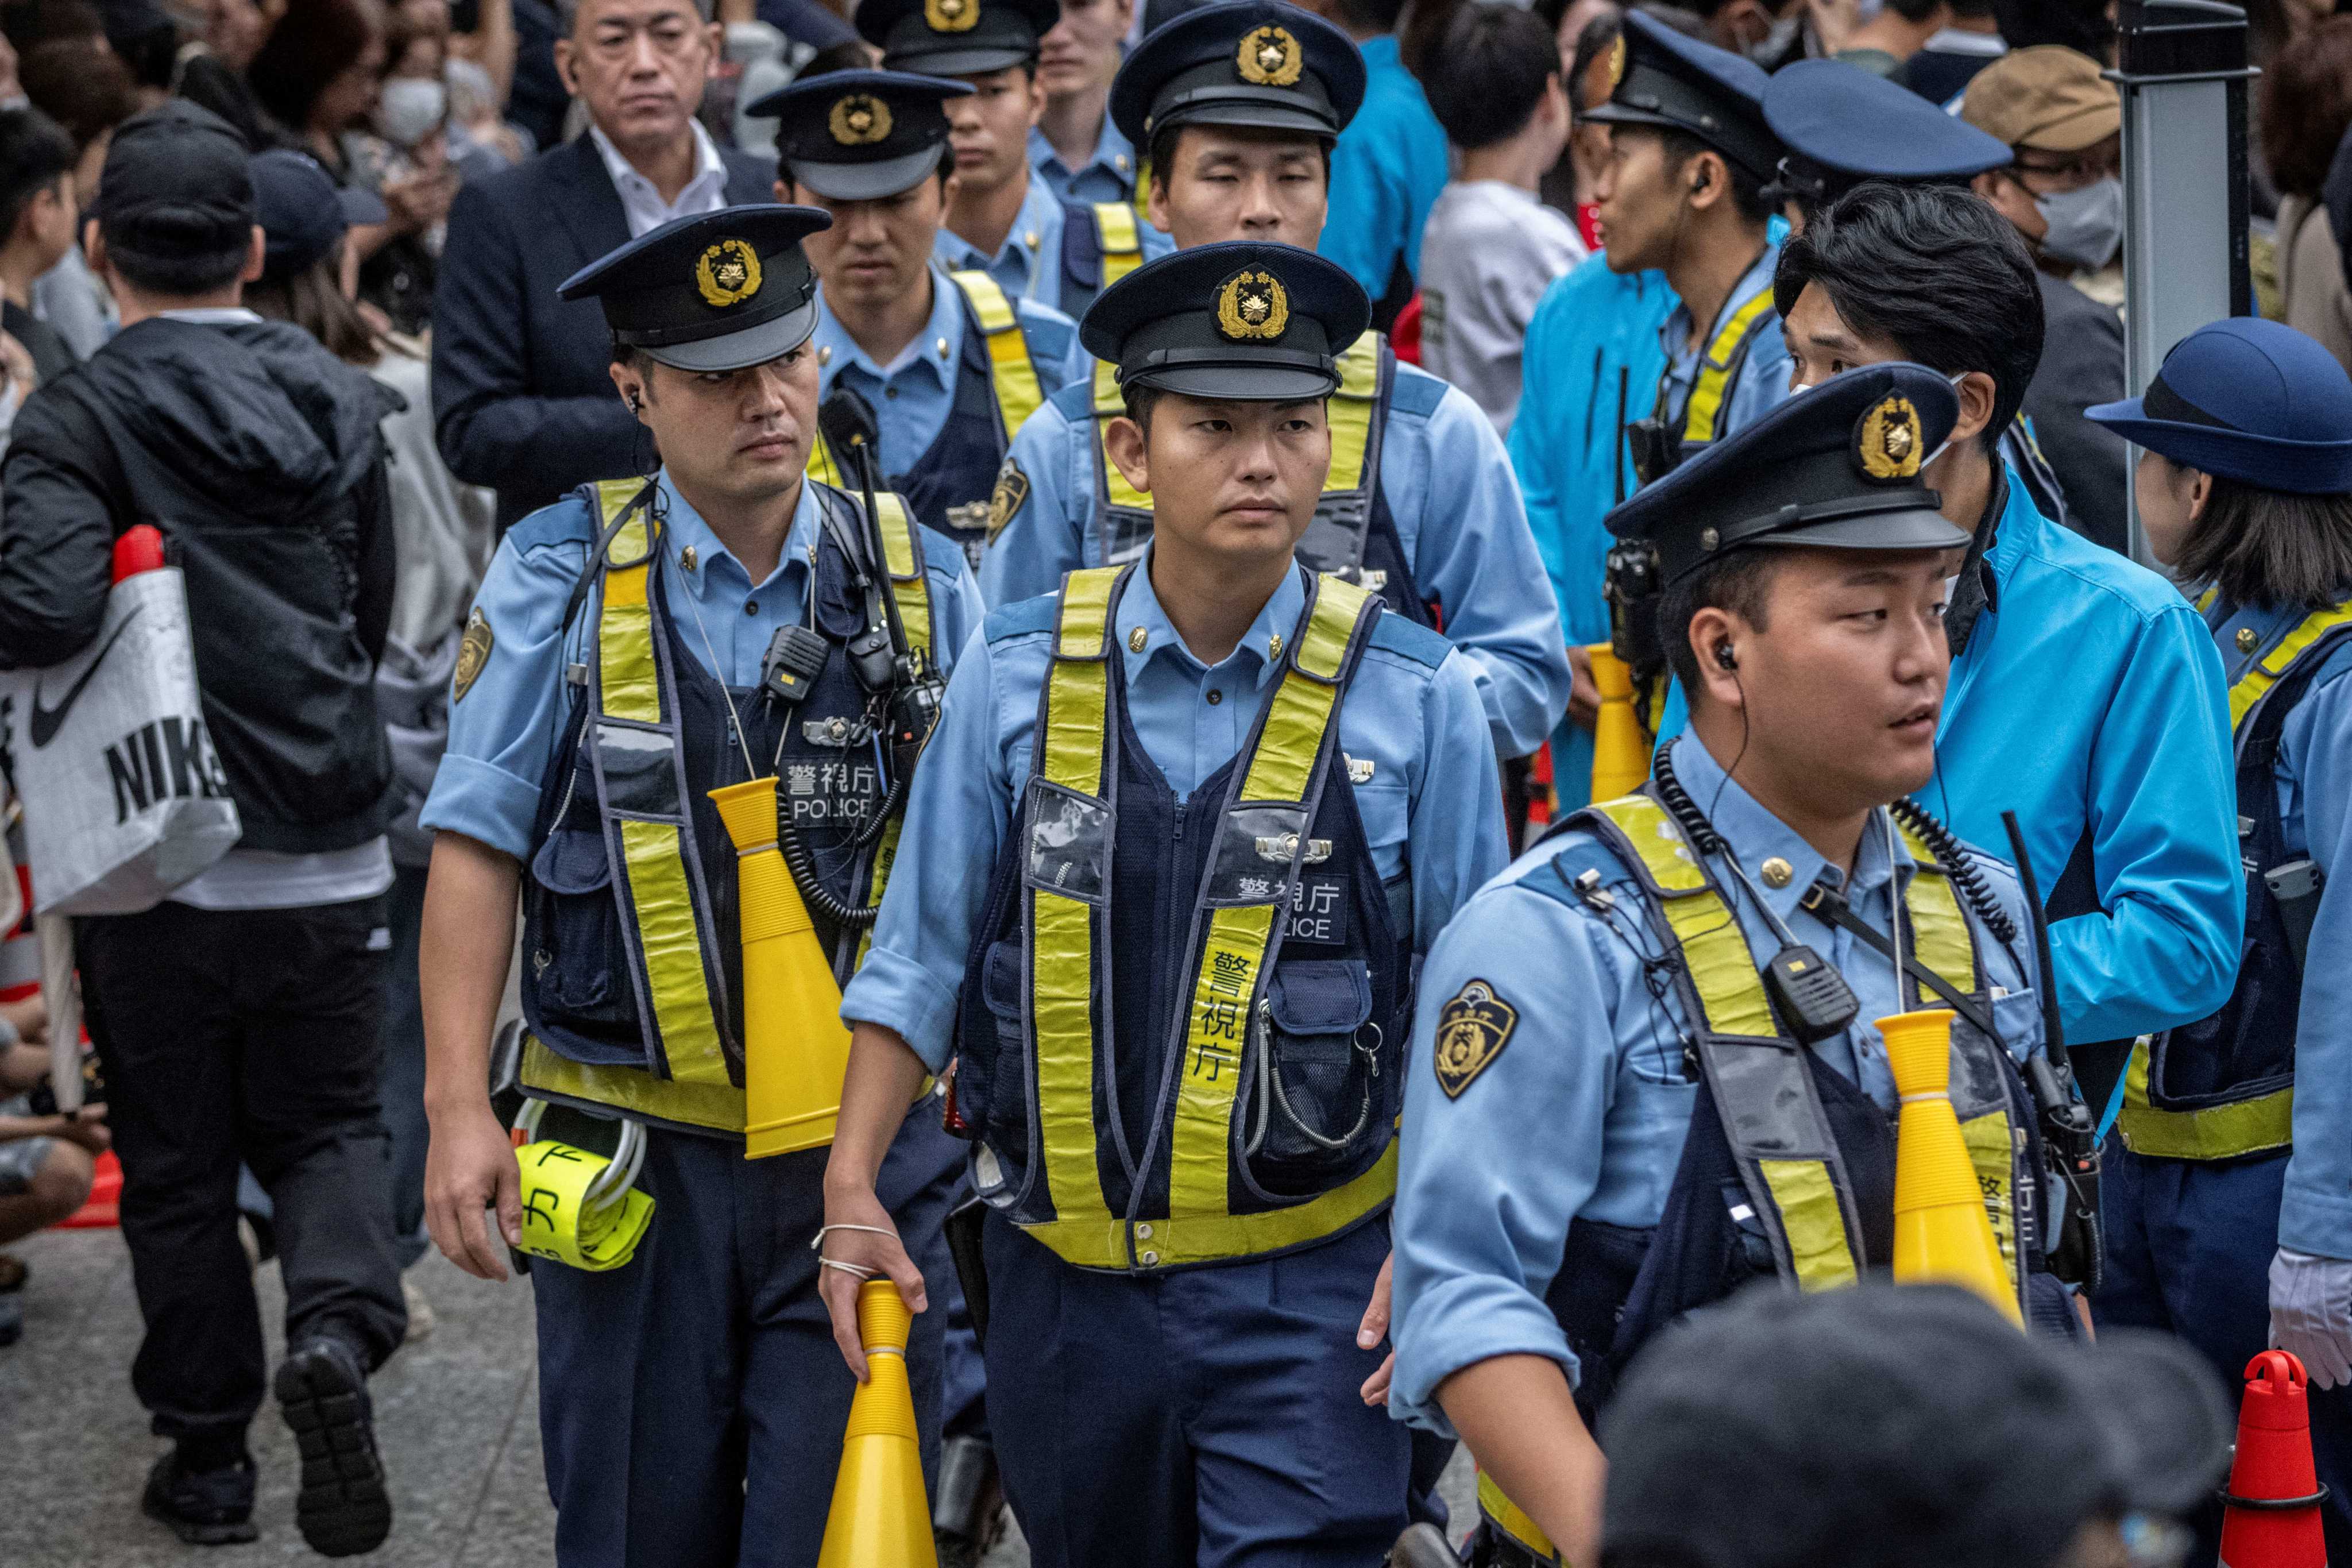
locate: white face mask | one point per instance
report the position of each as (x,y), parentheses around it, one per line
(411,109)
(2086,227)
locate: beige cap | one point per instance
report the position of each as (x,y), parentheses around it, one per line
(2048,97)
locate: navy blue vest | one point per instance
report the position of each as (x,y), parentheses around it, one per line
(948,488)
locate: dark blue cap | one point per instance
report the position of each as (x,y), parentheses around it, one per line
(2250,400)
(1843,125)
(712,292)
(859,136)
(1259,64)
(1835,467)
(1244,319)
(956,37)
(303,211)
(1675,83)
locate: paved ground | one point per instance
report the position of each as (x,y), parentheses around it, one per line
(456,1415)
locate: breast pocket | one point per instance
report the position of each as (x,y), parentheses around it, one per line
(580,965)
(1318,1073)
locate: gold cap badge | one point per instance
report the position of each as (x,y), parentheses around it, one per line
(859,121)
(727,274)
(1269,56)
(1617,57)
(1889,444)
(1253,307)
(951,16)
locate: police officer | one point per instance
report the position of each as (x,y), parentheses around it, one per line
(1003,219)
(2226,1217)
(1074,147)
(1571,1177)
(635,646)
(1243,101)
(1843,125)
(1183,829)
(948,364)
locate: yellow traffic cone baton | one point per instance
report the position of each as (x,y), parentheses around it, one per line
(1942,1234)
(881,1517)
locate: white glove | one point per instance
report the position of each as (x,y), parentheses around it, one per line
(2311,1314)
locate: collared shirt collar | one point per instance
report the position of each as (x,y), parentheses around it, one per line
(1114,155)
(2269,622)
(1139,612)
(683,529)
(706,192)
(1036,228)
(1676,332)
(1754,836)
(212,316)
(935,346)
(1977,587)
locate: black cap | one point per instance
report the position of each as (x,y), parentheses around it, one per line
(176,183)
(1244,320)
(956,37)
(713,292)
(303,211)
(1259,63)
(1663,78)
(1835,467)
(1886,1426)
(859,136)
(1843,125)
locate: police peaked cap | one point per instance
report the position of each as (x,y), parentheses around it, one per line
(1256,64)
(1243,321)
(957,38)
(1666,80)
(1843,125)
(2253,401)
(860,136)
(716,292)
(1834,467)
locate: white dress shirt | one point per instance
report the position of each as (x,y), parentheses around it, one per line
(643,206)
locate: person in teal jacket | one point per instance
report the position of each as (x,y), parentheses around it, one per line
(1387,167)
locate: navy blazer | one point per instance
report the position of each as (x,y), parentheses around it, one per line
(521,400)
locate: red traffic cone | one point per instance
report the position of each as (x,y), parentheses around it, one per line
(2273,1518)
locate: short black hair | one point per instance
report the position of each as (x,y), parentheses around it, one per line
(1486,77)
(1749,193)
(1740,583)
(1162,151)
(35,153)
(1140,401)
(1933,269)
(178,276)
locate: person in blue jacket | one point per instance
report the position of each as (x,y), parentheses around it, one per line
(620,661)
(1387,166)
(948,366)
(2085,694)
(1419,504)
(1593,1143)
(1167,863)
(2228,1195)
(1003,217)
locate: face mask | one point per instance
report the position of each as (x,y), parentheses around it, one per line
(2086,227)
(412,107)
(469,90)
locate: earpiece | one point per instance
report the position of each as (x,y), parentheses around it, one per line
(636,403)
(1724,657)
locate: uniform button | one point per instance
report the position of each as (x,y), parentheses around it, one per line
(1215,697)
(2247,639)
(1144,1231)
(891,393)
(1152,1261)
(1776,872)
(750,606)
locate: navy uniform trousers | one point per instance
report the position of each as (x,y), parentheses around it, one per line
(692,1402)
(1206,1416)
(2188,1246)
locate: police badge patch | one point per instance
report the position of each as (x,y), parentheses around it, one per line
(1889,441)
(859,121)
(1011,494)
(951,16)
(1253,306)
(473,652)
(727,274)
(1471,1032)
(1269,56)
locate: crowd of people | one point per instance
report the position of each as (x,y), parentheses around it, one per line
(1161,497)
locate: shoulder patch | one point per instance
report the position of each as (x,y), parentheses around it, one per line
(571,521)
(1472,1031)
(1415,391)
(1012,492)
(473,652)
(1030,618)
(1395,633)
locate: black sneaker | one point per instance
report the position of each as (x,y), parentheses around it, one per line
(212,1508)
(342,1509)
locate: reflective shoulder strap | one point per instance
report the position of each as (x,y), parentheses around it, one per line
(1723,359)
(1353,409)
(911,587)
(628,685)
(822,467)
(1117,238)
(1110,403)
(1939,928)
(2267,671)
(1010,372)
(1722,972)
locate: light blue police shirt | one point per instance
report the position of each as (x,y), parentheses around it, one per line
(1028,265)
(505,727)
(1431,803)
(1583,1111)
(1450,490)
(2314,774)
(1108,176)
(1386,171)
(913,394)
(1762,382)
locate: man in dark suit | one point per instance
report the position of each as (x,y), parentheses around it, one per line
(520,396)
